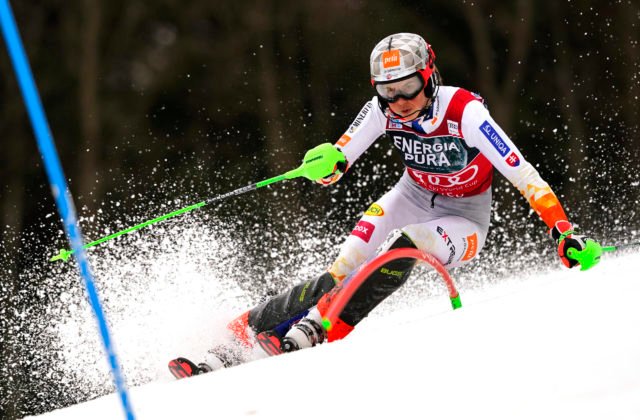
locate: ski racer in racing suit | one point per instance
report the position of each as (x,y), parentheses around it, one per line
(449,144)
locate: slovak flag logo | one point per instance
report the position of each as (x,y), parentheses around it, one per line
(513,160)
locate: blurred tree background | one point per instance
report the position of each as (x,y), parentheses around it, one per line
(151,102)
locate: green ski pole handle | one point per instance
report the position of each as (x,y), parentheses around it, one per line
(316,161)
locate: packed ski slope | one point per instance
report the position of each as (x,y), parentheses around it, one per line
(564,345)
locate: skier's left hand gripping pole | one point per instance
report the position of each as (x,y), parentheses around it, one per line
(319,162)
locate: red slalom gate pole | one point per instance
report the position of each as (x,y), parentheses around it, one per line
(353,284)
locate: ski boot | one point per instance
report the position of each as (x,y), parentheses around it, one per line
(307,332)
(220,357)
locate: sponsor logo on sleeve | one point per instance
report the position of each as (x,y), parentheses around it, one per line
(360,118)
(494,138)
(343,140)
(374,210)
(472,247)
(364,230)
(390,58)
(453,128)
(513,160)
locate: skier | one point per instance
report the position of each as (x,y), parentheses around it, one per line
(449,144)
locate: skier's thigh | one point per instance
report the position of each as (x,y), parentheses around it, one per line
(453,240)
(392,211)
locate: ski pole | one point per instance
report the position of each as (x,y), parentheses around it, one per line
(612,248)
(590,255)
(317,163)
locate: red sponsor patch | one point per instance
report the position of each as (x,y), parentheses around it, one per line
(363,230)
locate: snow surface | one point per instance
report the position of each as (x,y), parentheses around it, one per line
(562,345)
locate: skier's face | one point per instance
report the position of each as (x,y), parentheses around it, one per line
(406,107)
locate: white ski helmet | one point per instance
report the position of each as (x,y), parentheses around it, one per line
(401,55)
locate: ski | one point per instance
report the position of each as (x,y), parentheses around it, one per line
(219,358)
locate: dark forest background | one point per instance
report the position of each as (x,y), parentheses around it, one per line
(151,102)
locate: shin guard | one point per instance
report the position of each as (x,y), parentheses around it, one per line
(382,283)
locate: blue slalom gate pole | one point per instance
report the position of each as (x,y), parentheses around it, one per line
(59,187)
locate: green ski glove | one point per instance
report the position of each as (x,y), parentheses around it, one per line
(320,162)
(575,249)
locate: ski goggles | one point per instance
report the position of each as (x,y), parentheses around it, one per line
(407,88)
